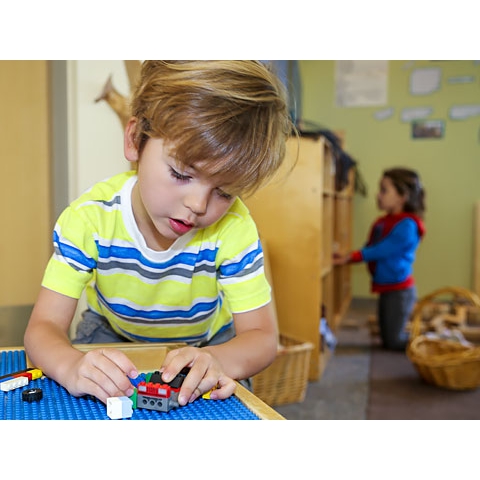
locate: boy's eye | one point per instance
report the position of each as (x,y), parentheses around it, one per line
(178,175)
(223,194)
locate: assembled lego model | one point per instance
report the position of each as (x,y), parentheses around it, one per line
(150,392)
(155,394)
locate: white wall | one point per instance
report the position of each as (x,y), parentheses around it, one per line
(95,131)
(95,134)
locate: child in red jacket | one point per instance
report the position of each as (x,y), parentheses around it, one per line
(390,252)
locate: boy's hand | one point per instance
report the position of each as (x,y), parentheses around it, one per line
(103,373)
(205,374)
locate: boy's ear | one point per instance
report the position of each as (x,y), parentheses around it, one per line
(129,146)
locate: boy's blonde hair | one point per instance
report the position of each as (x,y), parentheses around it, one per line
(231,115)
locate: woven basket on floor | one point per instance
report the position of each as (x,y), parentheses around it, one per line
(445,363)
(286,379)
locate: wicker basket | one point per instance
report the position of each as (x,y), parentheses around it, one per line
(285,380)
(445,363)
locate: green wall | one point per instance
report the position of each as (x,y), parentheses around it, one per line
(449,167)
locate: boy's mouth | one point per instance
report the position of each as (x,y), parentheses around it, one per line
(180,227)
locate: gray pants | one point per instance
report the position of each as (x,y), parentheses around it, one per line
(394,310)
(94,328)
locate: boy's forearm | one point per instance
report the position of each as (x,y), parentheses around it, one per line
(246,354)
(50,349)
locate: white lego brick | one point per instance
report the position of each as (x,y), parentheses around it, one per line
(14,383)
(119,407)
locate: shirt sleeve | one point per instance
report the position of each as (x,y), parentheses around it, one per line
(74,256)
(240,267)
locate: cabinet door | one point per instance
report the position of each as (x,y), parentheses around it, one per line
(25,193)
(288,213)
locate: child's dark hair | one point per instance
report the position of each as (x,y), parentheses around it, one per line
(408,182)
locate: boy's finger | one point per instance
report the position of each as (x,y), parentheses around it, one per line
(223,391)
(121,360)
(176,360)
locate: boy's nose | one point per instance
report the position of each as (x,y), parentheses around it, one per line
(197,201)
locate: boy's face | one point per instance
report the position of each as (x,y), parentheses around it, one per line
(169,199)
(388,199)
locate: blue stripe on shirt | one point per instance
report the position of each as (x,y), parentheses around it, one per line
(186,258)
(234,268)
(70,252)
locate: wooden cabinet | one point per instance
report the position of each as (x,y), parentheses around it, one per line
(296,217)
(342,243)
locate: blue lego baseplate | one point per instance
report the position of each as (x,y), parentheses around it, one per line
(58,404)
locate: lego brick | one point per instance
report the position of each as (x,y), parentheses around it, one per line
(36,373)
(32,395)
(119,407)
(14,374)
(15,382)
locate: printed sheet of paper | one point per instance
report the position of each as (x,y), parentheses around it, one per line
(462,112)
(415,113)
(384,114)
(361,83)
(424,81)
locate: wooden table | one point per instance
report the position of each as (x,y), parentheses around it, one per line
(149,357)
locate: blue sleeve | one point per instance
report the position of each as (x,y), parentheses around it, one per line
(402,238)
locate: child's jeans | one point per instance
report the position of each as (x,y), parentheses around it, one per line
(394,310)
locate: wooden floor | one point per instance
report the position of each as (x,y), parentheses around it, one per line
(342,391)
(362,381)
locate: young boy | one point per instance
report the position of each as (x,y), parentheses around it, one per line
(167,251)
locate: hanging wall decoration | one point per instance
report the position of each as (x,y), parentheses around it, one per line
(434,129)
(119,102)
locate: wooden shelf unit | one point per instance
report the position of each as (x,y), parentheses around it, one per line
(343,226)
(296,218)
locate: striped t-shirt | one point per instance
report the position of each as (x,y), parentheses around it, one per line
(184,294)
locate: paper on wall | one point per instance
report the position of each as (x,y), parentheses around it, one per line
(361,83)
(424,81)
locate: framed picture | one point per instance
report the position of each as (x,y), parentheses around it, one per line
(428,129)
